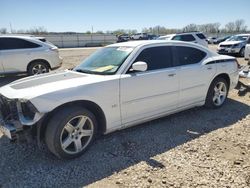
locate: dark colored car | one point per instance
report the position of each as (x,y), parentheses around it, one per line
(221,39)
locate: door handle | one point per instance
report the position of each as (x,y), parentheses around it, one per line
(172,74)
(209,68)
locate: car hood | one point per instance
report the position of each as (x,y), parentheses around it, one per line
(231,42)
(31,87)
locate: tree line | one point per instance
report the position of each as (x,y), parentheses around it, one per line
(236,26)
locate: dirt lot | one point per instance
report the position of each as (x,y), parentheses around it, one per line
(194,148)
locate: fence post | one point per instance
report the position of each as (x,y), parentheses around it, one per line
(62,41)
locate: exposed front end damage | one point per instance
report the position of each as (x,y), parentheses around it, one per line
(17,117)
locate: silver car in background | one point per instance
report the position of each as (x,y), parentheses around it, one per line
(234,45)
(27,54)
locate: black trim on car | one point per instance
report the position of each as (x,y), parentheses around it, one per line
(220,61)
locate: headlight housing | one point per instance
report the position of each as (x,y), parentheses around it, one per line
(28,109)
(236,45)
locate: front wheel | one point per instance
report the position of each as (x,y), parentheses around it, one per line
(217,93)
(70,132)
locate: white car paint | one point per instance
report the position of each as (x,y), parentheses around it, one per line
(126,99)
(196,40)
(247,51)
(17,60)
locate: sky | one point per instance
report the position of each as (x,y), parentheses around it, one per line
(108,15)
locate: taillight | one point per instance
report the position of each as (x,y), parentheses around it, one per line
(55,49)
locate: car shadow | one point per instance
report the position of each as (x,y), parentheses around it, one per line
(114,152)
(10,78)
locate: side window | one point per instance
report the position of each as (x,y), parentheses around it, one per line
(156,57)
(15,43)
(201,36)
(186,38)
(177,37)
(188,55)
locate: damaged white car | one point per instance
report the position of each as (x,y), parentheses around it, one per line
(118,86)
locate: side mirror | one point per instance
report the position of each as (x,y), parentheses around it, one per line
(140,66)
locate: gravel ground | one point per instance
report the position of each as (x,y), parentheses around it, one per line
(194,148)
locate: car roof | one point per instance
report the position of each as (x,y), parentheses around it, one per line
(20,36)
(148,42)
(245,34)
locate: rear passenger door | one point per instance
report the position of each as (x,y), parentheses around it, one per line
(194,76)
(16,54)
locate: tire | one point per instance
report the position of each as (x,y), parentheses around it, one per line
(216,97)
(242,52)
(70,132)
(38,67)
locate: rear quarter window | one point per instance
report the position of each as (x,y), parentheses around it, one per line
(188,55)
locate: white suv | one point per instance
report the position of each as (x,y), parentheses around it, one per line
(195,37)
(118,86)
(20,54)
(139,36)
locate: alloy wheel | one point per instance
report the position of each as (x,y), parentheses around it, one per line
(77,134)
(39,69)
(220,93)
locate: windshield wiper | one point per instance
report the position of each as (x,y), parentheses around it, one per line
(84,71)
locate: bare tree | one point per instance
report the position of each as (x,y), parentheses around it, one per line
(190,27)
(3,30)
(240,25)
(230,27)
(37,30)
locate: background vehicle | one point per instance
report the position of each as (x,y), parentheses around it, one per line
(234,45)
(139,36)
(247,50)
(221,39)
(20,54)
(123,38)
(69,109)
(211,40)
(152,37)
(195,37)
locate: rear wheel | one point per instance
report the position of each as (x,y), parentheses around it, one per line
(38,68)
(70,132)
(217,93)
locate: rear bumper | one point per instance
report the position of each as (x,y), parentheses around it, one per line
(57,63)
(234,78)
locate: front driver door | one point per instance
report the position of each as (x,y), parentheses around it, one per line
(153,92)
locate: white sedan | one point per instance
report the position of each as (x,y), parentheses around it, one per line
(118,86)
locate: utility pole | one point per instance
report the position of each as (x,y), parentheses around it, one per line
(92,34)
(11,28)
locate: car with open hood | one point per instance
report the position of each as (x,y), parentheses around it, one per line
(118,86)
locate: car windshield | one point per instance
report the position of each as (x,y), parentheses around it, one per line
(105,61)
(238,38)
